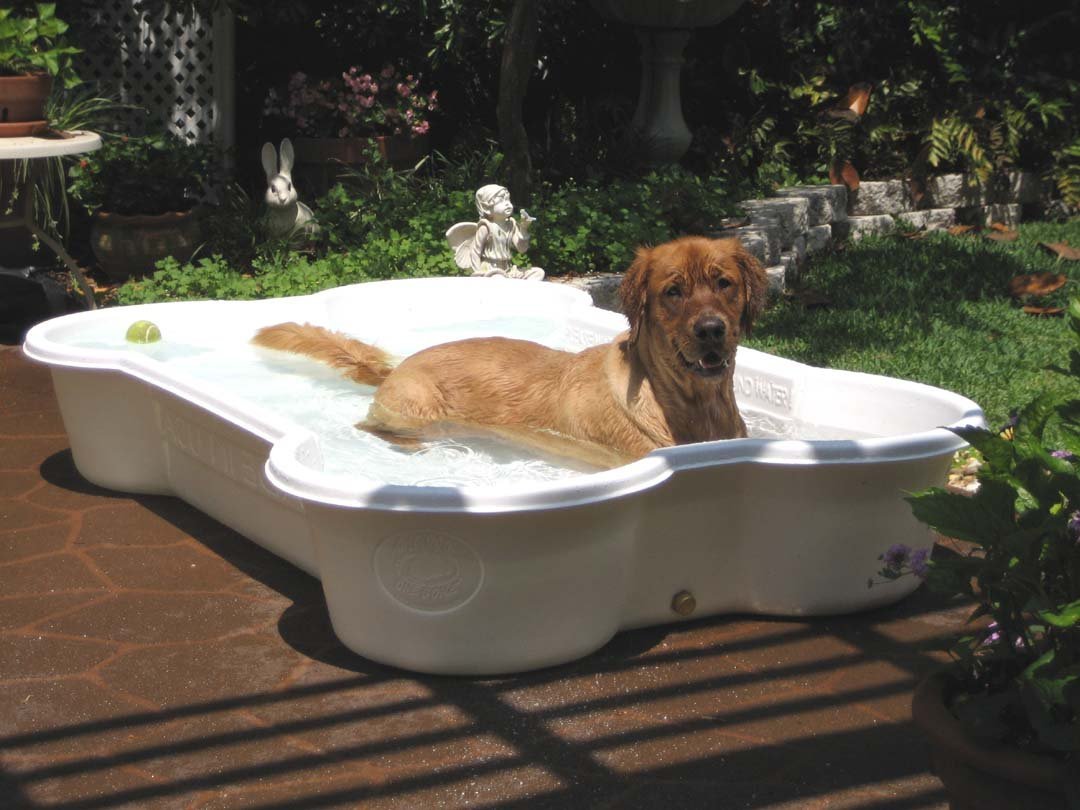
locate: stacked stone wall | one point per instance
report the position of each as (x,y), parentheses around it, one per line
(797,222)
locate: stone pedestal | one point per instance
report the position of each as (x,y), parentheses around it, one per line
(658,120)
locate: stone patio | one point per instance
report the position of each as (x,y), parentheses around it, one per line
(152,658)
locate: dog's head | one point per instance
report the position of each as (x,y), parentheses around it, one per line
(693,299)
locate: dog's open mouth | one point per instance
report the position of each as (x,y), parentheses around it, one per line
(710,364)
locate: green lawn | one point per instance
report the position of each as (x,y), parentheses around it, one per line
(934,310)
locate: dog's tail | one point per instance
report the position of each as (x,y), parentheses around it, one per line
(361,362)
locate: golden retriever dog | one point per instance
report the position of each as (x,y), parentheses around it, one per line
(667,380)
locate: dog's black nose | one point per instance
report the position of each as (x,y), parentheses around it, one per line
(710,328)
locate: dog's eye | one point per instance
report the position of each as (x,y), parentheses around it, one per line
(723,282)
(673,291)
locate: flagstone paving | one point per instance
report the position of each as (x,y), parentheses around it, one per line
(152,658)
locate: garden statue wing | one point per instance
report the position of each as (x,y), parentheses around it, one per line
(460,238)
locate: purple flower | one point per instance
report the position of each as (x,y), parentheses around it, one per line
(993,634)
(920,562)
(1063,454)
(1074,525)
(896,556)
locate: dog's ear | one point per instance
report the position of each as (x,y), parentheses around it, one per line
(755,282)
(634,291)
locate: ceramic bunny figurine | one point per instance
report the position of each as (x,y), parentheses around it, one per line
(287,213)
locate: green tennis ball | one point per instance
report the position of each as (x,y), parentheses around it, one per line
(143,332)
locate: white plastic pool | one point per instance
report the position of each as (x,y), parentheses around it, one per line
(477,560)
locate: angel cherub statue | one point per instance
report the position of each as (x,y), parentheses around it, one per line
(486,246)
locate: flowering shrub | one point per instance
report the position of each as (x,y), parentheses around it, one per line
(359,104)
(1017,676)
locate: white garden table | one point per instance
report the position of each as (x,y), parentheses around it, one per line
(35,149)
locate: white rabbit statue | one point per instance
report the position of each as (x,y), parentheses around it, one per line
(287,214)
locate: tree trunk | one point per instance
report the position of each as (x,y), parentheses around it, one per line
(519,54)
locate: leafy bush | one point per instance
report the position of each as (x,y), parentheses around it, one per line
(956,84)
(381,224)
(211,277)
(151,175)
(595,227)
(1017,677)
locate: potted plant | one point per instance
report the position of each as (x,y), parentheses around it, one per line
(348,119)
(1004,720)
(32,53)
(142,193)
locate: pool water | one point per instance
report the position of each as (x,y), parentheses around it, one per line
(315,397)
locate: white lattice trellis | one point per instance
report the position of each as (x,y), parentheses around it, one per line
(177,66)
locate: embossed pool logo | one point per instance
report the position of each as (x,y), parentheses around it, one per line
(429,571)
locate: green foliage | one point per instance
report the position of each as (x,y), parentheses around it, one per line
(382,224)
(957,84)
(68,109)
(35,43)
(151,175)
(595,227)
(1066,174)
(286,273)
(1018,677)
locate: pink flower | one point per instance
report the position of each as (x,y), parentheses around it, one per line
(421,127)
(403,90)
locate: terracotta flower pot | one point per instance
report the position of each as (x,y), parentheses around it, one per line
(319,160)
(22,101)
(126,246)
(978,776)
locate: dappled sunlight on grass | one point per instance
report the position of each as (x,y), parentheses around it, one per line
(934,310)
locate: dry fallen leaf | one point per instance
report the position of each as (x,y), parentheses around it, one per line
(858,97)
(1044,312)
(1063,250)
(917,190)
(1036,284)
(1002,233)
(842,173)
(852,106)
(960,230)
